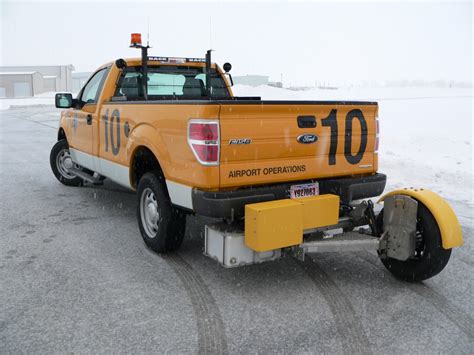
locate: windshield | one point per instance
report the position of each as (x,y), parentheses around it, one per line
(165,82)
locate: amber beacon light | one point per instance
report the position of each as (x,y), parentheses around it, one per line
(136,40)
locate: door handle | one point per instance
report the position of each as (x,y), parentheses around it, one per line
(89,119)
(306,121)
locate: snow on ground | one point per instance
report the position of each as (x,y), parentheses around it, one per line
(46,98)
(426,133)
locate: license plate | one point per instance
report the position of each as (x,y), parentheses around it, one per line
(305,190)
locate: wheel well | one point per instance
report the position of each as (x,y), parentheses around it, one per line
(61,134)
(143,161)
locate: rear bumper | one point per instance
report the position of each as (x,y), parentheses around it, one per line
(225,204)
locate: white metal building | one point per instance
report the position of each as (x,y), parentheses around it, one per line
(24,81)
(20,84)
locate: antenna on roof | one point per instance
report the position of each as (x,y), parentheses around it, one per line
(210,31)
(148,32)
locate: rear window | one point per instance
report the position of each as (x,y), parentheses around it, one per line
(166,82)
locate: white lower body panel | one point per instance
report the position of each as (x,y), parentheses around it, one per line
(180,195)
(116,172)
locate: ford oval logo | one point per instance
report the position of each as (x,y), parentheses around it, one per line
(307,138)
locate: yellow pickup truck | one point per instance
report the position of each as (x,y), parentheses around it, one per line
(284,177)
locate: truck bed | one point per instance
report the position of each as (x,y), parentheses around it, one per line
(262,141)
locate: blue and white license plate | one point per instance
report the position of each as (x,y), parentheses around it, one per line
(304,190)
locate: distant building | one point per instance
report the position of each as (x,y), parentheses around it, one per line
(20,84)
(251,80)
(24,81)
(79,79)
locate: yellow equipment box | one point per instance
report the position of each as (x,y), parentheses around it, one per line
(273,225)
(279,224)
(320,211)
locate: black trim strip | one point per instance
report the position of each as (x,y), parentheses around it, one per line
(239,102)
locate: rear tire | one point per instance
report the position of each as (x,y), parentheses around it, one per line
(430,258)
(60,161)
(162,226)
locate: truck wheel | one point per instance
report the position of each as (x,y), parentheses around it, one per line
(60,161)
(162,226)
(430,257)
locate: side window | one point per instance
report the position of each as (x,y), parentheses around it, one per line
(130,85)
(91,91)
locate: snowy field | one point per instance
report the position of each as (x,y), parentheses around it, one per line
(46,98)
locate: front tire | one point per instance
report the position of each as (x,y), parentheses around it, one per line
(60,161)
(430,258)
(162,226)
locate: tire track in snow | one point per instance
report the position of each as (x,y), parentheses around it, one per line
(457,316)
(210,327)
(352,335)
(211,333)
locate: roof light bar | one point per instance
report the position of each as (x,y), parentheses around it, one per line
(177,59)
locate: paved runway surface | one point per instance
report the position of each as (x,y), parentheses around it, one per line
(75,276)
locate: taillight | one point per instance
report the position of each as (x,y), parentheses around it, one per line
(203,138)
(377,131)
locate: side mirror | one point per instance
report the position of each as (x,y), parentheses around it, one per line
(63,100)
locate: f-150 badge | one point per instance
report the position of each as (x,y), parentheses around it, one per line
(240,141)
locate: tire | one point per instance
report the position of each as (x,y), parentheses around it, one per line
(161,225)
(60,160)
(430,258)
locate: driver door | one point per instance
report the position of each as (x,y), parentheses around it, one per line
(83,118)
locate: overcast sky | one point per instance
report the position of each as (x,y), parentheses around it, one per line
(306,42)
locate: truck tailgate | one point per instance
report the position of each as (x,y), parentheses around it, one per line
(272,141)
